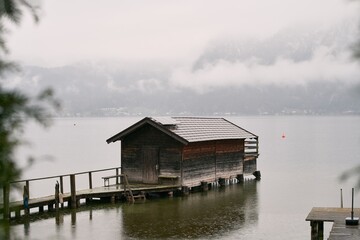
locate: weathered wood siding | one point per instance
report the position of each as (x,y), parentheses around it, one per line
(250,164)
(229,158)
(148,153)
(131,161)
(199,163)
(133,154)
(170,161)
(208,161)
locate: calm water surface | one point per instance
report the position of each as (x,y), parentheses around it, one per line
(299,172)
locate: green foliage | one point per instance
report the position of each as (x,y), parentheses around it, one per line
(16,108)
(11,11)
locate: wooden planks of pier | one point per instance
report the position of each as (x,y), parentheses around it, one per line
(339,231)
(109,192)
(105,192)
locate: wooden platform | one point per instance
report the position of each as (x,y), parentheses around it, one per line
(339,231)
(98,192)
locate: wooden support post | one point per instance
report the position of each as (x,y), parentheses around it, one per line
(314,230)
(57,198)
(73,217)
(222,182)
(6,194)
(62,189)
(204,186)
(240,178)
(317,230)
(57,218)
(41,208)
(73,191)
(17,213)
(90,181)
(321,230)
(117,174)
(50,207)
(88,200)
(185,190)
(257,175)
(28,188)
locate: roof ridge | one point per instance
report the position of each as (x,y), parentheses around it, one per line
(198,117)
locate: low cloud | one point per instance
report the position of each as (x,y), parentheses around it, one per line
(323,66)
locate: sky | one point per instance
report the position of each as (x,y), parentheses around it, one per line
(178,32)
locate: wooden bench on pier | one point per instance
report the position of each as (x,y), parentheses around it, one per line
(127,189)
(107,179)
(168,179)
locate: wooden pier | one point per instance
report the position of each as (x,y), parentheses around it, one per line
(339,231)
(120,189)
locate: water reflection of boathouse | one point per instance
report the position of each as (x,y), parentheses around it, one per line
(229,213)
(187,151)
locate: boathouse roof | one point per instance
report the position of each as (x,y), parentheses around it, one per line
(190,129)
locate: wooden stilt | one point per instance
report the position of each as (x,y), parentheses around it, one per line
(57,192)
(17,213)
(50,207)
(240,178)
(257,175)
(6,192)
(317,230)
(204,186)
(222,182)
(185,190)
(73,191)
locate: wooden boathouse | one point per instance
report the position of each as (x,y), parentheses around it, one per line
(158,155)
(188,151)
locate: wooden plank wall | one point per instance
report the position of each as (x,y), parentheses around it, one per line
(169,159)
(229,158)
(207,161)
(199,163)
(250,165)
(131,162)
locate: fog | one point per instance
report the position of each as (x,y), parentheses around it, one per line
(72,31)
(158,48)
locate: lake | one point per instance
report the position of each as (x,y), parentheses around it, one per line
(299,171)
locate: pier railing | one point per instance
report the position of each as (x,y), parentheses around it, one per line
(60,179)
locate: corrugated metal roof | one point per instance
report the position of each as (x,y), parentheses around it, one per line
(196,129)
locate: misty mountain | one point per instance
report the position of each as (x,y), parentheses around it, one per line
(298,44)
(122,88)
(86,91)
